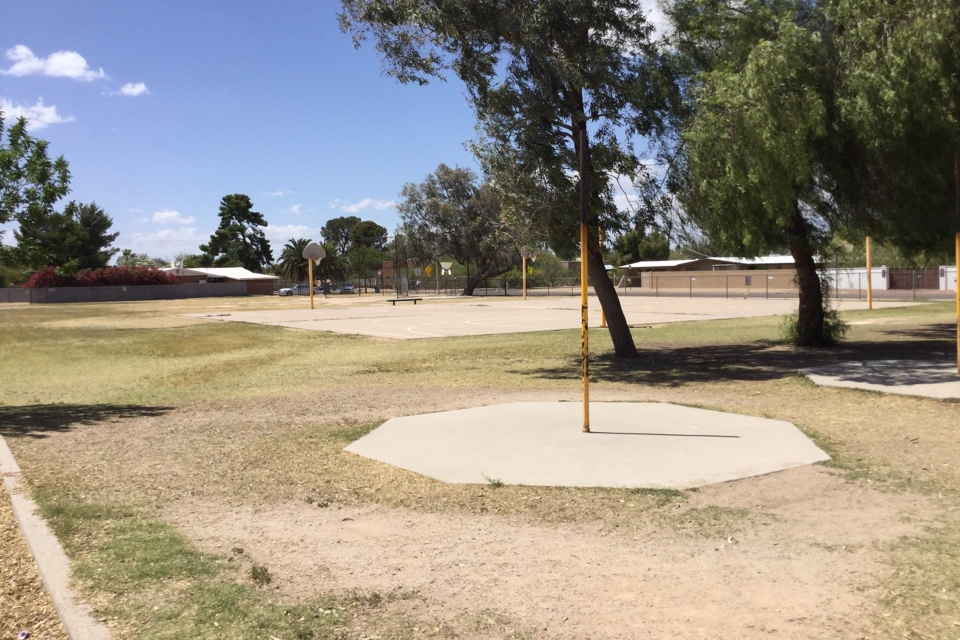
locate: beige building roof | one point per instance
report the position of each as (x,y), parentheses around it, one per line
(231,273)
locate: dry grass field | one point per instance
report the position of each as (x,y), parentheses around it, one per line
(195,472)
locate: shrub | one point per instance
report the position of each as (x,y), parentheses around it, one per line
(111,276)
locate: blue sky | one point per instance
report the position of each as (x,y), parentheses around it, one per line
(164,107)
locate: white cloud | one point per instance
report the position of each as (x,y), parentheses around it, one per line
(368,203)
(171,217)
(279,193)
(295,209)
(279,235)
(133,89)
(38,116)
(62,64)
(164,243)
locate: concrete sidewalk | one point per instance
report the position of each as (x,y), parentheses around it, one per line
(907,377)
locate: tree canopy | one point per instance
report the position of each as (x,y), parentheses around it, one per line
(451,213)
(78,238)
(30,182)
(239,241)
(338,232)
(552,82)
(806,120)
(764,157)
(900,92)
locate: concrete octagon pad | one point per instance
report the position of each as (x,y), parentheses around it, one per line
(648,445)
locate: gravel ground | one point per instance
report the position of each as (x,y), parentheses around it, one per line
(24,604)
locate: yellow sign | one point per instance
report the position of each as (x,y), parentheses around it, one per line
(428,270)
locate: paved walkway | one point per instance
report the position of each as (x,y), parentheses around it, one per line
(907,377)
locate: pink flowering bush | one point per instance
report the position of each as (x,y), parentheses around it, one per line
(108,277)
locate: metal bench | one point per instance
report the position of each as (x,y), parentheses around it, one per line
(394,301)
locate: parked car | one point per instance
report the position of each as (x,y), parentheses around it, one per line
(347,287)
(302,289)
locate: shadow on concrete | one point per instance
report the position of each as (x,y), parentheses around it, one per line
(755,362)
(895,373)
(943,331)
(37,421)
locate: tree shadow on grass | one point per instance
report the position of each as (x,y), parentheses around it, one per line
(754,362)
(37,421)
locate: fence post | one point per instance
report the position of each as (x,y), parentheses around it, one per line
(691,286)
(726,285)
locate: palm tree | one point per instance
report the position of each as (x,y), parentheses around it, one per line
(292,266)
(333,267)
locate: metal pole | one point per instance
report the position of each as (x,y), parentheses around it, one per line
(956,188)
(310,271)
(524,277)
(584,274)
(869,275)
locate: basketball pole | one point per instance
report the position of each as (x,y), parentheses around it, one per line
(310,271)
(956,263)
(584,329)
(869,275)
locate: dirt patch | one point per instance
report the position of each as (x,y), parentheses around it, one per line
(801,563)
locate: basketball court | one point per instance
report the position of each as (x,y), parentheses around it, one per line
(444,317)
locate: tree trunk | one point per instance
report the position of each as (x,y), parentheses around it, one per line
(482,274)
(623,345)
(471,285)
(810,314)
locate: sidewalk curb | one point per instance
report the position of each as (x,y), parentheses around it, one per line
(52,562)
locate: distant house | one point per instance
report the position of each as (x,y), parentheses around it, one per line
(713,264)
(257,283)
(779,269)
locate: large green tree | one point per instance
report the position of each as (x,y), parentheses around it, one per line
(366,235)
(338,232)
(640,244)
(450,213)
(30,182)
(764,157)
(239,241)
(900,90)
(562,86)
(79,237)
